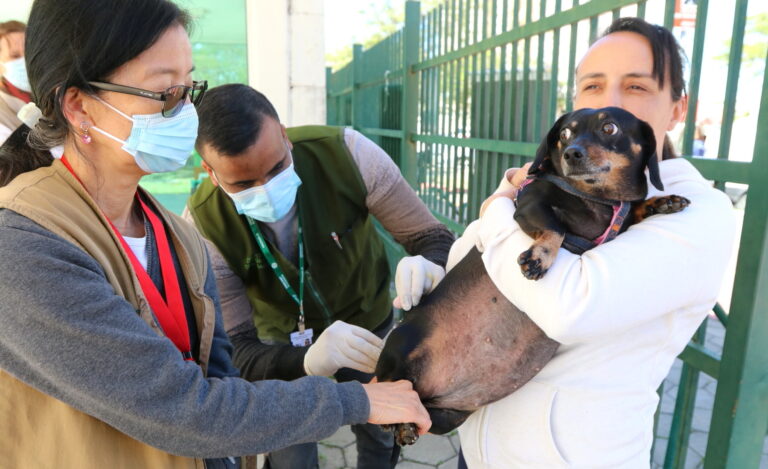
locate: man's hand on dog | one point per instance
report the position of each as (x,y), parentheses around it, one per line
(415,277)
(513,178)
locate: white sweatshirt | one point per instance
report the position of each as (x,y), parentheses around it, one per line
(622,312)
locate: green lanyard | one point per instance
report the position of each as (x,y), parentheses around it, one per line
(299,299)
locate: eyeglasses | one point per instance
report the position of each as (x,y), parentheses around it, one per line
(173,98)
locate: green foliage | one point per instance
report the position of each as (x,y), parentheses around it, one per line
(383,21)
(220,63)
(755,47)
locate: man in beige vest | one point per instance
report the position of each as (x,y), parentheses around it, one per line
(14,85)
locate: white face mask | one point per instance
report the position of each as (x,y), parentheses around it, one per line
(270,202)
(159,144)
(16,73)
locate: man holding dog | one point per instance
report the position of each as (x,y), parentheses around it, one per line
(297,258)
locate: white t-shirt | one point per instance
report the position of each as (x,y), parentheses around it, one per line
(139,248)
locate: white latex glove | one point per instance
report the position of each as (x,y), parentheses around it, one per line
(343,345)
(415,276)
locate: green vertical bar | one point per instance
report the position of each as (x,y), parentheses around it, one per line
(571,65)
(423,104)
(357,55)
(616,13)
(330,118)
(538,96)
(732,83)
(669,14)
(693,86)
(513,113)
(503,82)
(466,153)
(450,69)
(443,70)
(525,114)
(680,431)
(641,9)
(455,193)
(740,416)
(483,129)
(494,103)
(554,80)
(592,29)
(476,97)
(502,128)
(435,91)
(410,94)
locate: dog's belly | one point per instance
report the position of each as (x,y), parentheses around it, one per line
(465,345)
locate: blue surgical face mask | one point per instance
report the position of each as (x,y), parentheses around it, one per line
(271,201)
(16,73)
(159,144)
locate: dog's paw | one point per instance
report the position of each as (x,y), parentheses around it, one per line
(666,204)
(534,263)
(405,433)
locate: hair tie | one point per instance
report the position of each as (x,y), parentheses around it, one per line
(30,114)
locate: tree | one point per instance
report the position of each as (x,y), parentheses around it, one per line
(383,20)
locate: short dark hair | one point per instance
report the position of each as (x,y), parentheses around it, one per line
(666,51)
(231,118)
(71,43)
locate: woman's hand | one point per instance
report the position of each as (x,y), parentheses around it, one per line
(396,402)
(513,178)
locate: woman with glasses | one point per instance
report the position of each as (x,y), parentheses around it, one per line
(112,350)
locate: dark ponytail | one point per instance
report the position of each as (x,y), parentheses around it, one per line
(69,43)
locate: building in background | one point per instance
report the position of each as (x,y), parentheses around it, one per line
(276,46)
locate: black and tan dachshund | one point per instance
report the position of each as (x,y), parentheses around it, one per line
(588,184)
(466,345)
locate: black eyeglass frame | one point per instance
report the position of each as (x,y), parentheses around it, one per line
(195,92)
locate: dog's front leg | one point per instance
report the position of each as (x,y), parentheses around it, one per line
(536,261)
(539,221)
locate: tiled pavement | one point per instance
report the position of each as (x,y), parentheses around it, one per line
(433,451)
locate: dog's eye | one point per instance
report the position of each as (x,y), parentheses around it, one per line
(610,128)
(565,134)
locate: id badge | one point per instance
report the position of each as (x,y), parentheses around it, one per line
(302,339)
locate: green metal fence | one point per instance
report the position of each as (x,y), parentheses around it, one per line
(465,91)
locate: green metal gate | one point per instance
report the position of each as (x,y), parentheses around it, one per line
(465,91)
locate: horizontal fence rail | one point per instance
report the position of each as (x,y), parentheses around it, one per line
(466,90)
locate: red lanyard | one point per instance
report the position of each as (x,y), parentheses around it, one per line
(13,91)
(170,314)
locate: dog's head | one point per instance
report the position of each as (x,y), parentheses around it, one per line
(603,152)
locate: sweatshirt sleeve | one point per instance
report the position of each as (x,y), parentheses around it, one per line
(658,266)
(395,204)
(65,332)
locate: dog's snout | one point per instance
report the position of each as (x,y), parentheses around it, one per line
(574,153)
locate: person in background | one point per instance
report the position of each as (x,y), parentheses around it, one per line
(289,214)
(112,348)
(14,84)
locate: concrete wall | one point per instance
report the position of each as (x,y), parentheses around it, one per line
(286,57)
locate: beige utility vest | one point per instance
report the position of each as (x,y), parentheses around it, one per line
(39,431)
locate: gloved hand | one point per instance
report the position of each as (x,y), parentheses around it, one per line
(343,345)
(415,276)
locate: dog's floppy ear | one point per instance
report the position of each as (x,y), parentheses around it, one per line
(542,162)
(650,157)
